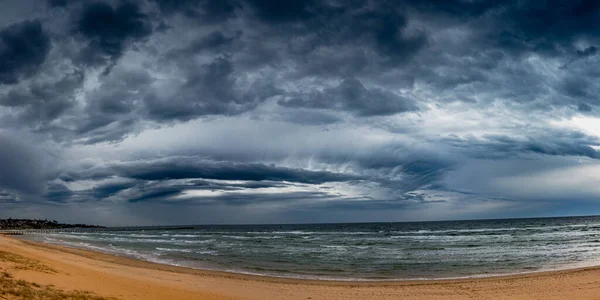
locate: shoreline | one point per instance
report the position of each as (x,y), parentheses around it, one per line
(308,278)
(130,261)
(128,278)
(126,260)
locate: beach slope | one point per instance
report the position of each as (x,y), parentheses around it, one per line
(103,276)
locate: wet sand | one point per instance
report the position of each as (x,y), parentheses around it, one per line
(124,278)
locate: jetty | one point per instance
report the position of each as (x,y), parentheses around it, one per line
(90,230)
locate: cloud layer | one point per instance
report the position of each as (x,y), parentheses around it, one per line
(148,112)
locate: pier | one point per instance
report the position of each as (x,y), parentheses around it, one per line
(89,230)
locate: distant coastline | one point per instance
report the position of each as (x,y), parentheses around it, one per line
(16,224)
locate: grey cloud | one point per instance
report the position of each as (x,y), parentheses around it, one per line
(518,27)
(578,89)
(333,62)
(231,194)
(239,199)
(390,38)
(21,168)
(110,30)
(165,190)
(309,117)
(109,189)
(404,81)
(57,192)
(559,148)
(320,23)
(500,146)
(23,49)
(351,95)
(111,108)
(153,195)
(202,11)
(547,27)
(584,107)
(201,184)
(215,41)
(458,9)
(278,12)
(7,197)
(88,173)
(210,89)
(189,168)
(60,3)
(582,54)
(589,51)
(45,100)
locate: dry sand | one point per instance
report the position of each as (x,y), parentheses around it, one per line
(112,276)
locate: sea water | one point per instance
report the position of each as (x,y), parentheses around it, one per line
(364,251)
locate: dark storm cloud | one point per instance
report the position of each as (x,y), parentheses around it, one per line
(384,25)
(210,89)
(397,167)
(202,11)
(582,54)
(110,30)
(547,27)
(355,39)
(242,199)
(57,192)
(279,12)
(519,27)
(23,49)
(423,173)
(110,108)
(192,168)
(584,107)
(409,91)
(215,41)
(502,146)
(154,195)
(144,191)
(6,197)
(589,51)
(109,189)
(20,167)
(458,10)
(351,95)
(310,117)
(60,3)
(390,38)
(44,101)
(231,199)
(216,185)
(85,173)
(163,190)
(229,194)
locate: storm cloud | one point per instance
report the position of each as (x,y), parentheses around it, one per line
(110,30)
(23,49)
(21,167)
(297,111)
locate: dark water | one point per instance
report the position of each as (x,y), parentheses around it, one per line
(373,251)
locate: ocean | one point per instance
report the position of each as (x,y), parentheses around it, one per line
(363,251)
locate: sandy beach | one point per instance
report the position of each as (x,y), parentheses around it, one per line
(106,276)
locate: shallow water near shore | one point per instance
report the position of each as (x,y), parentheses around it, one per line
(367,251)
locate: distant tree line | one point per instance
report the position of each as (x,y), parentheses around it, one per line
(39,224)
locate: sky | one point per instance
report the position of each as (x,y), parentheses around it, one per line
(255,111)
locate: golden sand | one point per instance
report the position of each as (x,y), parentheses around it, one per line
(40,271)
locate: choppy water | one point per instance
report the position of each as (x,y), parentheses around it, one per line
(373,251)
